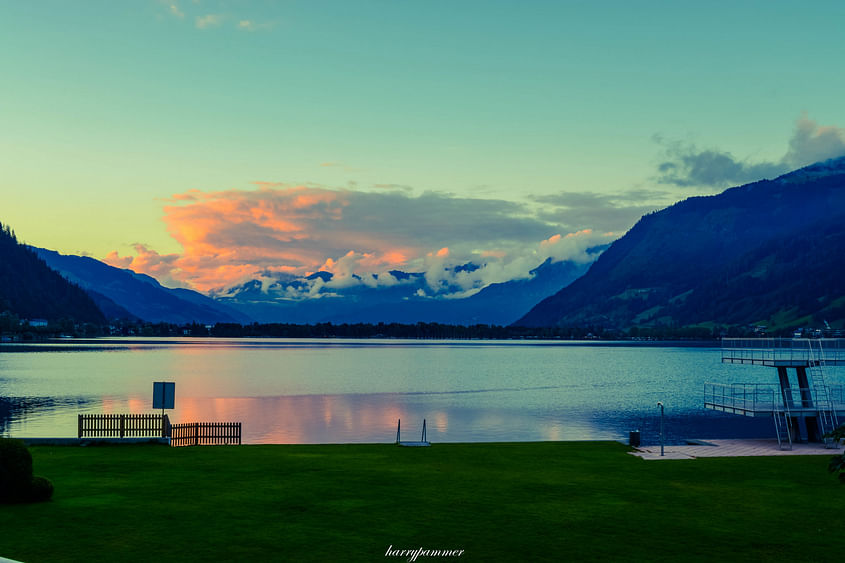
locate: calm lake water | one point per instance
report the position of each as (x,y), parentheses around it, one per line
(331,391)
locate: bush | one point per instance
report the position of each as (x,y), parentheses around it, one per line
(837,463)
(41,489)
(16,481)
(15,470)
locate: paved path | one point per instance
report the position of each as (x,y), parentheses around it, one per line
(732,448)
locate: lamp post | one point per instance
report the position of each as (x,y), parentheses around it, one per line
(661,427)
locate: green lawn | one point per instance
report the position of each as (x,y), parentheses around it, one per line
(554,501)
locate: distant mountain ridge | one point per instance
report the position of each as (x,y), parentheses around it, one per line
(30,289)
(126,294)
(769,252)
(405,301)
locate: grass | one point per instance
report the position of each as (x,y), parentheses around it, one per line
(552,501)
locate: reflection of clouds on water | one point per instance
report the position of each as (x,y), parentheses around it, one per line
(373,418)
(369,418)
(338,391)
(32,416)
(441,422)
(299,419)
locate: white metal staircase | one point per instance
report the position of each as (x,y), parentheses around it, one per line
(827,419)
(783,422)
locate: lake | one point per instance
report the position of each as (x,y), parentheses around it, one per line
(336,391)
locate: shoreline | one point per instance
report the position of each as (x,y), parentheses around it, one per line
(112,342)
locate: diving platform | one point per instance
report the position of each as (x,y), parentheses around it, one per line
(784,352)
(765,399)
(805,399)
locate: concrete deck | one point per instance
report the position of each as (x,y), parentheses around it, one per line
(733,448)
(90,441)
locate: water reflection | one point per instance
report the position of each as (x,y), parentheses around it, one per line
(338,391)
(303,419)
(369,418)
(26,416)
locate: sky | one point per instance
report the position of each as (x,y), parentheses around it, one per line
(208,142)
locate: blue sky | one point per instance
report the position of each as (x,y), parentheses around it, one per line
(561,116)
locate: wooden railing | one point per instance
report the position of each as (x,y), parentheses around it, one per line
(158,426)
(205,433)
(123,425)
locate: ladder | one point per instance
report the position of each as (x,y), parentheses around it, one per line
(783,423)
(821,392)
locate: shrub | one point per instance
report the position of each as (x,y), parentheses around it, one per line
(15,470)
(837,463)
(16,481)
(41,489)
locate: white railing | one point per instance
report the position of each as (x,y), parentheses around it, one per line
(772,350)
(768,397)
(837,395)
(750,397)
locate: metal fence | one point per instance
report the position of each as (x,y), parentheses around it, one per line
(740,398)
(771,351)
(762,398)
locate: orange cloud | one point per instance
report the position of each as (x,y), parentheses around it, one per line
(164,268)
(229,237)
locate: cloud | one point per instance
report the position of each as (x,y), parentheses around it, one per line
(400,187)
(448,276)
(573,246)
(356,268)
(252,25)
(813,143)
(229,237)
(576,211)
(164,268)
(686,165)
(174,10)
(209,20)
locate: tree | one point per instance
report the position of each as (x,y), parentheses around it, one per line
(837,462)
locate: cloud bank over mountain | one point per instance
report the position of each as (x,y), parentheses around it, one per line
(279,233)
(687,166)
(275,230)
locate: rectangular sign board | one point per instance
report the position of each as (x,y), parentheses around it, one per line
(164,394)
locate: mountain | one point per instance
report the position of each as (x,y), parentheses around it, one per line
(404,298)
(770,252)
(30,289)
(125,294)
(498,303)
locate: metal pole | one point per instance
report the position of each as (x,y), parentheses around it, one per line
(661,427)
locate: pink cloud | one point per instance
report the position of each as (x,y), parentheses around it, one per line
(232,236)
(150,262)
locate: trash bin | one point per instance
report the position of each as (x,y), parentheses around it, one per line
(634,438)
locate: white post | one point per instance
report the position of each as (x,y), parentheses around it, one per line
(661,427)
